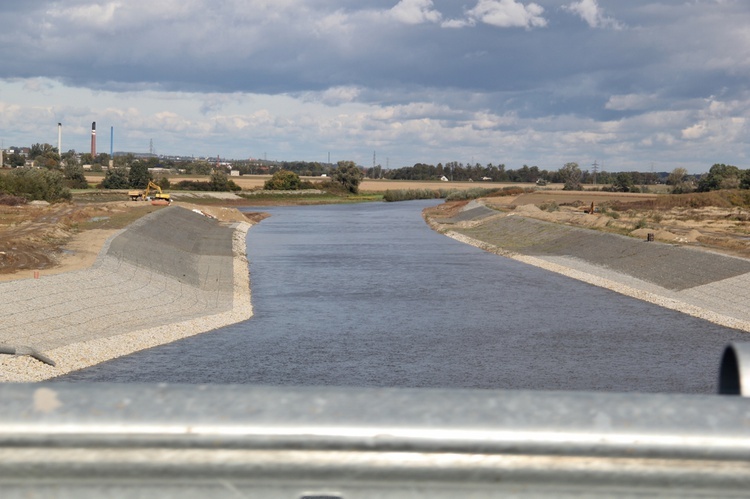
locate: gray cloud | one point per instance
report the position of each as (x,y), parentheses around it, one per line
(487,78)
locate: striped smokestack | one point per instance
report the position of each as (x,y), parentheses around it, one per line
(93,140)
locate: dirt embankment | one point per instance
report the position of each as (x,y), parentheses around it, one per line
(721,229)
(51,239)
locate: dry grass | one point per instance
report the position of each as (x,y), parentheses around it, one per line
(718,220)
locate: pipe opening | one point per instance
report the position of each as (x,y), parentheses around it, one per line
(729,373)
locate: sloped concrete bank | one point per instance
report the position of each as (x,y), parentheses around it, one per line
(699,283)
(170,275)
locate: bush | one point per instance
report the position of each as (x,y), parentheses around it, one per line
(551,206)
(164,183)
(33,184)
(477,192)
(218,183)
(116,178)
(75,177)
(8,200)
(283,180)
(410,194)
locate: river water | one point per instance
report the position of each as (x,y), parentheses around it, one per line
(368,295)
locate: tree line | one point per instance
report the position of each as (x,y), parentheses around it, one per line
(70,164)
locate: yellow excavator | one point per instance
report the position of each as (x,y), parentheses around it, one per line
(145,194)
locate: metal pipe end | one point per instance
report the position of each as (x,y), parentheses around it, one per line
(734,373)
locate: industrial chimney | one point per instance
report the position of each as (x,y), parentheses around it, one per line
(59,139)
(93,140)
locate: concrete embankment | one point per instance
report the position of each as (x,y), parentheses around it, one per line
(703,284)
(170,275)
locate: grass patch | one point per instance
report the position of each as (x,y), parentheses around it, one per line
(115,220)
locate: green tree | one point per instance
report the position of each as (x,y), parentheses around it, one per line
(87,158)
(15,160)
(139,176)
(102,159)
(220,182)
(283,180)
(164,183)
(75,178)
(349,175)
(45,155)
(124,160)
(623,182)
(116,178)
(745,180)
(199,168)
(571,174)
(679,181)
(720,176)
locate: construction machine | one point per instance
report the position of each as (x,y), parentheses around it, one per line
(145,194)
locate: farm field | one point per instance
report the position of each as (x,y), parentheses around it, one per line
(249,182)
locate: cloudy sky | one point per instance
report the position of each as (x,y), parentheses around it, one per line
(633,85)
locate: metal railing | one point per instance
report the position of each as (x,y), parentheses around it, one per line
(95,440)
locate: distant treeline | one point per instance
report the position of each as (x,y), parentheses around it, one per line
(498,173)
(454,171)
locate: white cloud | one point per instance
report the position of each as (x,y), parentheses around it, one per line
(590,12)
(695,132)
(88,14)
(415,12)
(507,14)
(339,95)
(631,102)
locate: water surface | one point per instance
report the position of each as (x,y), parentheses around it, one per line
(368,295)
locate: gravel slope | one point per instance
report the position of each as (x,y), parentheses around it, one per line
(699,283)
(170,275)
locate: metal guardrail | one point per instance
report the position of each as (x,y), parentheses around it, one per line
(95,440)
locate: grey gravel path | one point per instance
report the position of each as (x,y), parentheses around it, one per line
(167,269)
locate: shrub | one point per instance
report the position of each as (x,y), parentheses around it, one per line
(33,184)
(74,176)
(219,183)
(477,192)
(410,194)
(552,206)
(116,178)
(9,200)
(283,180)
(164,183)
